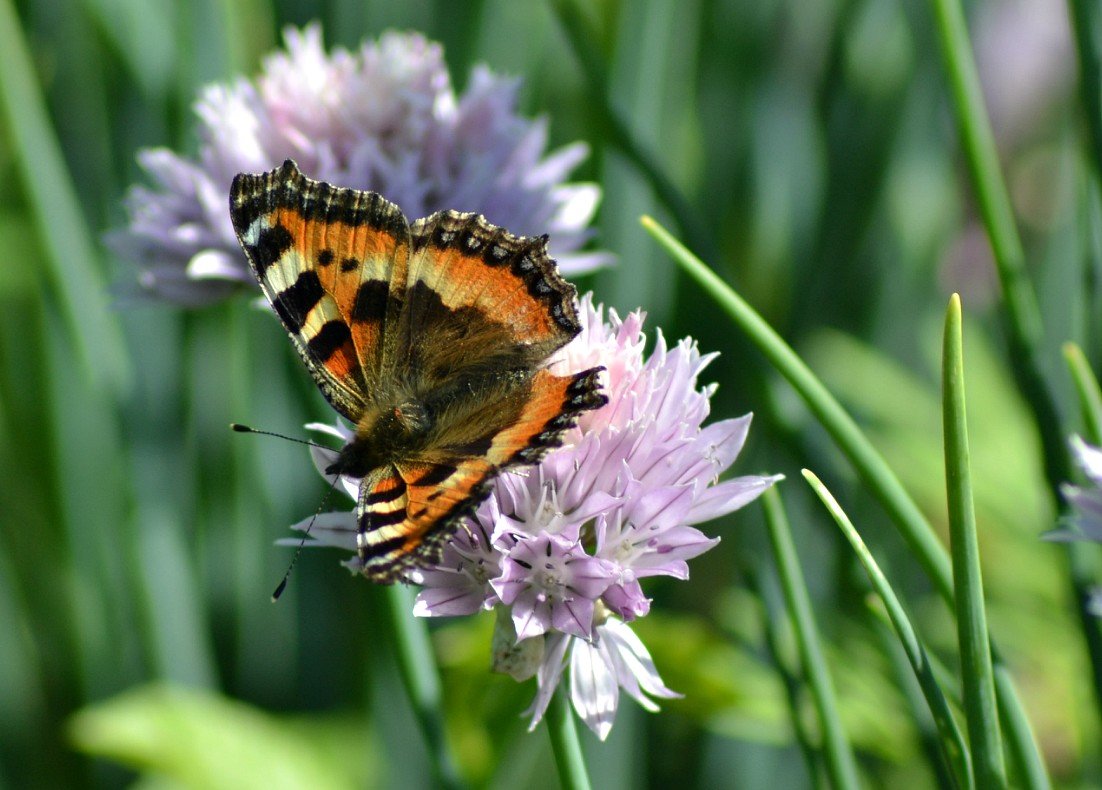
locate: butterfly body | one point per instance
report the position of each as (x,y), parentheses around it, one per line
(430,337)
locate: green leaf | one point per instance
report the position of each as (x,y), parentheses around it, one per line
(879,478)
(204,740)
(1086,17)
(1020,313)
(1086,387)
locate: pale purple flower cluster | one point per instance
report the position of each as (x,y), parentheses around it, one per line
(1085,520)
(384,118)
(1086,501)
(559,549)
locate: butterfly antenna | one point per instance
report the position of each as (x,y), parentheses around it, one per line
(305,534)
(239,428)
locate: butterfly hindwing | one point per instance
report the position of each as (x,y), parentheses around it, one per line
(408,514)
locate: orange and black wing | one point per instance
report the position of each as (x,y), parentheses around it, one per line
(455,312)
(327,259)
(481,313)
(480,301)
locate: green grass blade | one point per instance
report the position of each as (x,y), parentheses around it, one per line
(975,653)
(1086,17)
(55,207)
(575,27)
(952,741)
(249,32)
(1031,771)
(776,632)
(413,652)
(982,158)
(870,465)
(565,744)
(1020,312)
(1023,319)
(840,763)
(1079,560)
(1086,387)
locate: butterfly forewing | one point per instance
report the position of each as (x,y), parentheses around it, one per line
(325,258)
(503,290)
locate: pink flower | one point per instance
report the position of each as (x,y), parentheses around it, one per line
(551,583)
(384,118)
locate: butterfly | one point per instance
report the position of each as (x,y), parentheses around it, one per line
(431,337)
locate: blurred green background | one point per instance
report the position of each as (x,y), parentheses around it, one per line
(814,144)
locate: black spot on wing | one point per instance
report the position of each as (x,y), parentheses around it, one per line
(325,343)
(371,299)
(436,475)
(295,303)
(476,448)
(389,495)
(270,246)
(375,520)
(325,257)
(254,195)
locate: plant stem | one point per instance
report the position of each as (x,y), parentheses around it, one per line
(840,763)
(565,743)
(1086,17)
(416,663)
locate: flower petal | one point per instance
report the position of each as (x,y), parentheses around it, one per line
(593,687)
(383,117)
(627,600)
(573,616)
(337,528)
(634,667)
(462,597)
(531,614)
(548,676)
(729,496)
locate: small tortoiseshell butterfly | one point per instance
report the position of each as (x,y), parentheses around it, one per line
(430,337)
